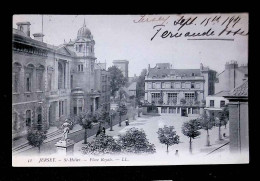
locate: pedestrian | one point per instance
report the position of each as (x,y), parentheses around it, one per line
(126,122)
(224,135)
(104,130)
(98,132)
(176,153)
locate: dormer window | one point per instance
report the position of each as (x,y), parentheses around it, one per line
(192,74)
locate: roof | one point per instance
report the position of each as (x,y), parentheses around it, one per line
(159,73)
(241,90)
(220,94)
(132,86)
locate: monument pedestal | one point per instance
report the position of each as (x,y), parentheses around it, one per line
(65,148)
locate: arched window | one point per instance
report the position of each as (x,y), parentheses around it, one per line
(39,75)
(60,76)
(28,118)
(16,77)
(28,78)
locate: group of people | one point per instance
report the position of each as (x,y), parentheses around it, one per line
(103,129)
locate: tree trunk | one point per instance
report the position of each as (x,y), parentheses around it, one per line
(111,123)
(85,136)
(39,149)
(219,133)
(190,146)
(208,141)
(225,126)
(167,148)
(120,120)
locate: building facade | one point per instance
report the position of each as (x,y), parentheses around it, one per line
(52,82)
(123,66)
(231,77)
(178,91)
(238,119)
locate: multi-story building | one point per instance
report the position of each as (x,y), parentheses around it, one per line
(231,77)
(52,82)
(227,80)
(123,66)
(178,91)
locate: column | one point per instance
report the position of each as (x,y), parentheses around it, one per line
(176,110)
(187,111)
(180,111)
(191,110)
(168,110)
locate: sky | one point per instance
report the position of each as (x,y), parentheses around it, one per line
(124,37)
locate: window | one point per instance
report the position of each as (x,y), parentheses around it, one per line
(75,110)
(49,81)
(177,85)
(158,85)
(192,85)
(163,85)
(189,97)
(197,85)
(28,80)
(154,85)
(39,75)
(80,109)
(222,103)
(187,85)
(172,98)
(15,121)
(16,77)
(149,85)
(71,81)
(156,97)
(192,74)
(28,118)
(211,102)
(61,84)
(183,85)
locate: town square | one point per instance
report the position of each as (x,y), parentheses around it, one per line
(102,90)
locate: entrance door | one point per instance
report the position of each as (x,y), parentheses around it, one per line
(184,112)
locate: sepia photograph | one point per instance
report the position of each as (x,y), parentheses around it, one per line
(130,90)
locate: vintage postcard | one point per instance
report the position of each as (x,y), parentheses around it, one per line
(130,90)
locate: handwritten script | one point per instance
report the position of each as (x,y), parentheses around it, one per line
(206,27)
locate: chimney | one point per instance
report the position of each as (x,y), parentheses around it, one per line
(201,66)
(38,36)
(24,27)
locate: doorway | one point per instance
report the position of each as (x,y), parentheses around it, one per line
(184,112)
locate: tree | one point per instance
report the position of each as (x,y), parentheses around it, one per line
(226,114)
(190,129)
(36,137)
(220,120)
(117,79)
(85,120)
(102,144)
(101,115)
(122,110)
(112,114)
(140,85)
(168,136)
(135,141)
(206,123)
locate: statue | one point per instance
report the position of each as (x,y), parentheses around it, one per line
(66,130)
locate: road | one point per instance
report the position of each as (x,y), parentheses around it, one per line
(50,148)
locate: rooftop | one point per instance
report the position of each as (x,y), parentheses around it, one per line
(241,90)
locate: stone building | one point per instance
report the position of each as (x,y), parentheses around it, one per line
(178,91)
(123,66)
(53,82)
